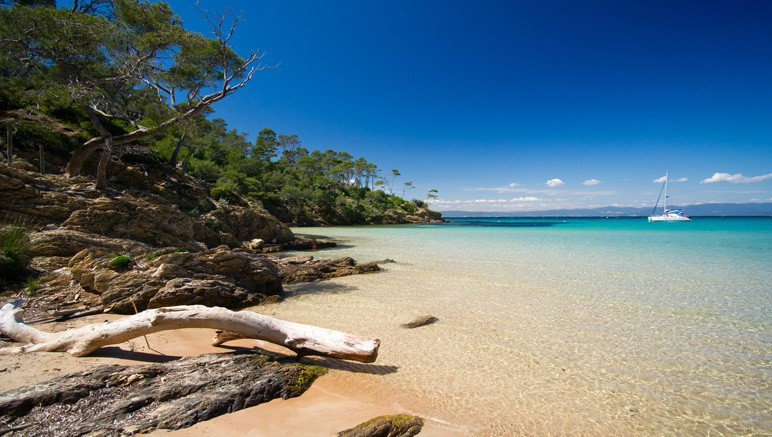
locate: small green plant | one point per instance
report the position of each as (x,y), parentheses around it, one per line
(307,374)
(15,249)
(157,253)
(71,263)
(120,262)
(32,286)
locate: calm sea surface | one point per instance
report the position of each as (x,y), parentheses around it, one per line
(561,326)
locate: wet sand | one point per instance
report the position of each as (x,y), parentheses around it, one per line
(329,406)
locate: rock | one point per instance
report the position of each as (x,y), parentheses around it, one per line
(400,425)
(116,400)
(308,244)
(202,291)
(23,165)
(155,223)
(150,211)
(246,224)
(307,269)
(215,277)
(68,242)
(254,245)
(420,321)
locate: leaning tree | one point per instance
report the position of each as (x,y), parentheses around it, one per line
(130,66)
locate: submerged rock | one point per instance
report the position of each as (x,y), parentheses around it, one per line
(115,399)
(307,269)
(400,425)
(421,321)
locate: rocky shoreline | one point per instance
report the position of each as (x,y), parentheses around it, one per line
(150,241)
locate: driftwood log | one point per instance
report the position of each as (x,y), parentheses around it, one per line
(302,339)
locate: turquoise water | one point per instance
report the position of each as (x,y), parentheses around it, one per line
(552,326)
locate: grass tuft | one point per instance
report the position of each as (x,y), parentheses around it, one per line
(120,262)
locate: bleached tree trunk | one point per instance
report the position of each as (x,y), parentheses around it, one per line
(303,339)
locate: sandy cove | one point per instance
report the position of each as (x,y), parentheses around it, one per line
(335,401)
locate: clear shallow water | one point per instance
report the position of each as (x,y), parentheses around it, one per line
(551,326)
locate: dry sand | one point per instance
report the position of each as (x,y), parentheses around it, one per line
(333,403)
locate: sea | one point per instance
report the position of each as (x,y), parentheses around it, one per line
(567,326)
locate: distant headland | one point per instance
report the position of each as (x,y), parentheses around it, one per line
(703,210)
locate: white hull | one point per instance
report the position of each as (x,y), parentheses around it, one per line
(669,218)
(668,215)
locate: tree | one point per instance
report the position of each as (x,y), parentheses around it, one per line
(431,195)
(134,71)
(390,185)
(405,187)
(265,145)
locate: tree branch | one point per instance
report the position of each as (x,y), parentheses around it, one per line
(303,339)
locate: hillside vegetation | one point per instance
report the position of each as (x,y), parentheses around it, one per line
(124,80)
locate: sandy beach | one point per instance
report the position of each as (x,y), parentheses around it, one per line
(329,406)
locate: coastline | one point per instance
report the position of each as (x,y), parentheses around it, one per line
(330,405)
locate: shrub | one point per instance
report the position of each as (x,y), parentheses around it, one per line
(227,196)
(420,203)
(32,286)
(15,251)
(205,170)
(120,262)
(30,136)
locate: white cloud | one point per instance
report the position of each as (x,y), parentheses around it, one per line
(662,179)
(591,182)
(555,182)
(737,178)
(526,199)
(513,184)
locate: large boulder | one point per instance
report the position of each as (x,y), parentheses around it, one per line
(155,223)
(215,277)
(68,242)
(113,400)
(246,224)
(42,199)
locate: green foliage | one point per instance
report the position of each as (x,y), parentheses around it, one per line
(15,250)
(118,57)
(306,375)
(120,262)
(32,286)
(33,135)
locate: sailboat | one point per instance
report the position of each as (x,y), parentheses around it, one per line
(668,215)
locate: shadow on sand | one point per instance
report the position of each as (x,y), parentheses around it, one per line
(116,352)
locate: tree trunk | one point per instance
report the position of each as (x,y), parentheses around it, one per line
(101,175)
(80,156)
(89,147)
(303,339)
(177,148)
(9,144)
(42,160)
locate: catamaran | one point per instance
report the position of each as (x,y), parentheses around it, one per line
(668,215)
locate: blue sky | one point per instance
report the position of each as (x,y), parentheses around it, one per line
(487,101)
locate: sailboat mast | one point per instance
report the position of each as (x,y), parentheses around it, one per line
(664,208)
